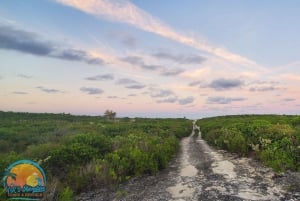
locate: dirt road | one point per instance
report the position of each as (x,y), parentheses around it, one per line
(201,173)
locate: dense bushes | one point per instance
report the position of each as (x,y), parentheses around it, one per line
(274,139)
(82,152)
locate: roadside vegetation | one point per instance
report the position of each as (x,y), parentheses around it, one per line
(273,139)
(79,153)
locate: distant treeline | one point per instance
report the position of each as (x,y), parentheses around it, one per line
(274,139)
(84,152)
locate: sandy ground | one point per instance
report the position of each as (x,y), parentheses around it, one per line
(201,173)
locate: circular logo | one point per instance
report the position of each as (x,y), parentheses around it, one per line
(24,179)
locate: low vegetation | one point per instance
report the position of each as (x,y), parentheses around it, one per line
(273,139)
(83,152)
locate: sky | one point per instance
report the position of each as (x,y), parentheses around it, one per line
(145,58)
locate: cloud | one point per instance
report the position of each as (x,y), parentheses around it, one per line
(126,12)
(91,90)
(27,42)
(185,101)
(134,60)
(113,97)
(132,95)
(195,83)
(129,41)
(77,55)
(175,99)
(23,41)
(289,99)
(104,77)
(198,74)
(152,67)
(223,100)
(124,37)
(24,76)
(222,84)
(138,61)
(20,92)
(49,91)
(172,72)
(168,100)
(182,59)
(168,96)
(158,93)
(263,88)
(136,86)
(130,84)
(126,81)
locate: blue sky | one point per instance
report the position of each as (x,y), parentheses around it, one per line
(139,58)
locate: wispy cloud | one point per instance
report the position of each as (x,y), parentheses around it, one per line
(198,74)
(114,97)
(187,100)
(223,84)
(168,100)
(49,91)
(126,12)
(134,60)
(175,99)
(158,93)
(223,100)
(195,83)
(6,21)
(135,86)
(124,37)
(168,96)
(12,38)
(129,41)
(172,71)
(104,77)
(182,59)
(263,88)
(24,76)
(289,99)
(91,90)
(126,81)
(77,55)
(153,67)
(138,61)
(130,84)
(20,92)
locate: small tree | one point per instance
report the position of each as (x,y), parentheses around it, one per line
(110,115)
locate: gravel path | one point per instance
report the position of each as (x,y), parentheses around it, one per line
(202,173)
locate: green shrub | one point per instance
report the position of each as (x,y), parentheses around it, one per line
(66,194)
(2,194)
(274,138)
(82,151)
(279,160)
